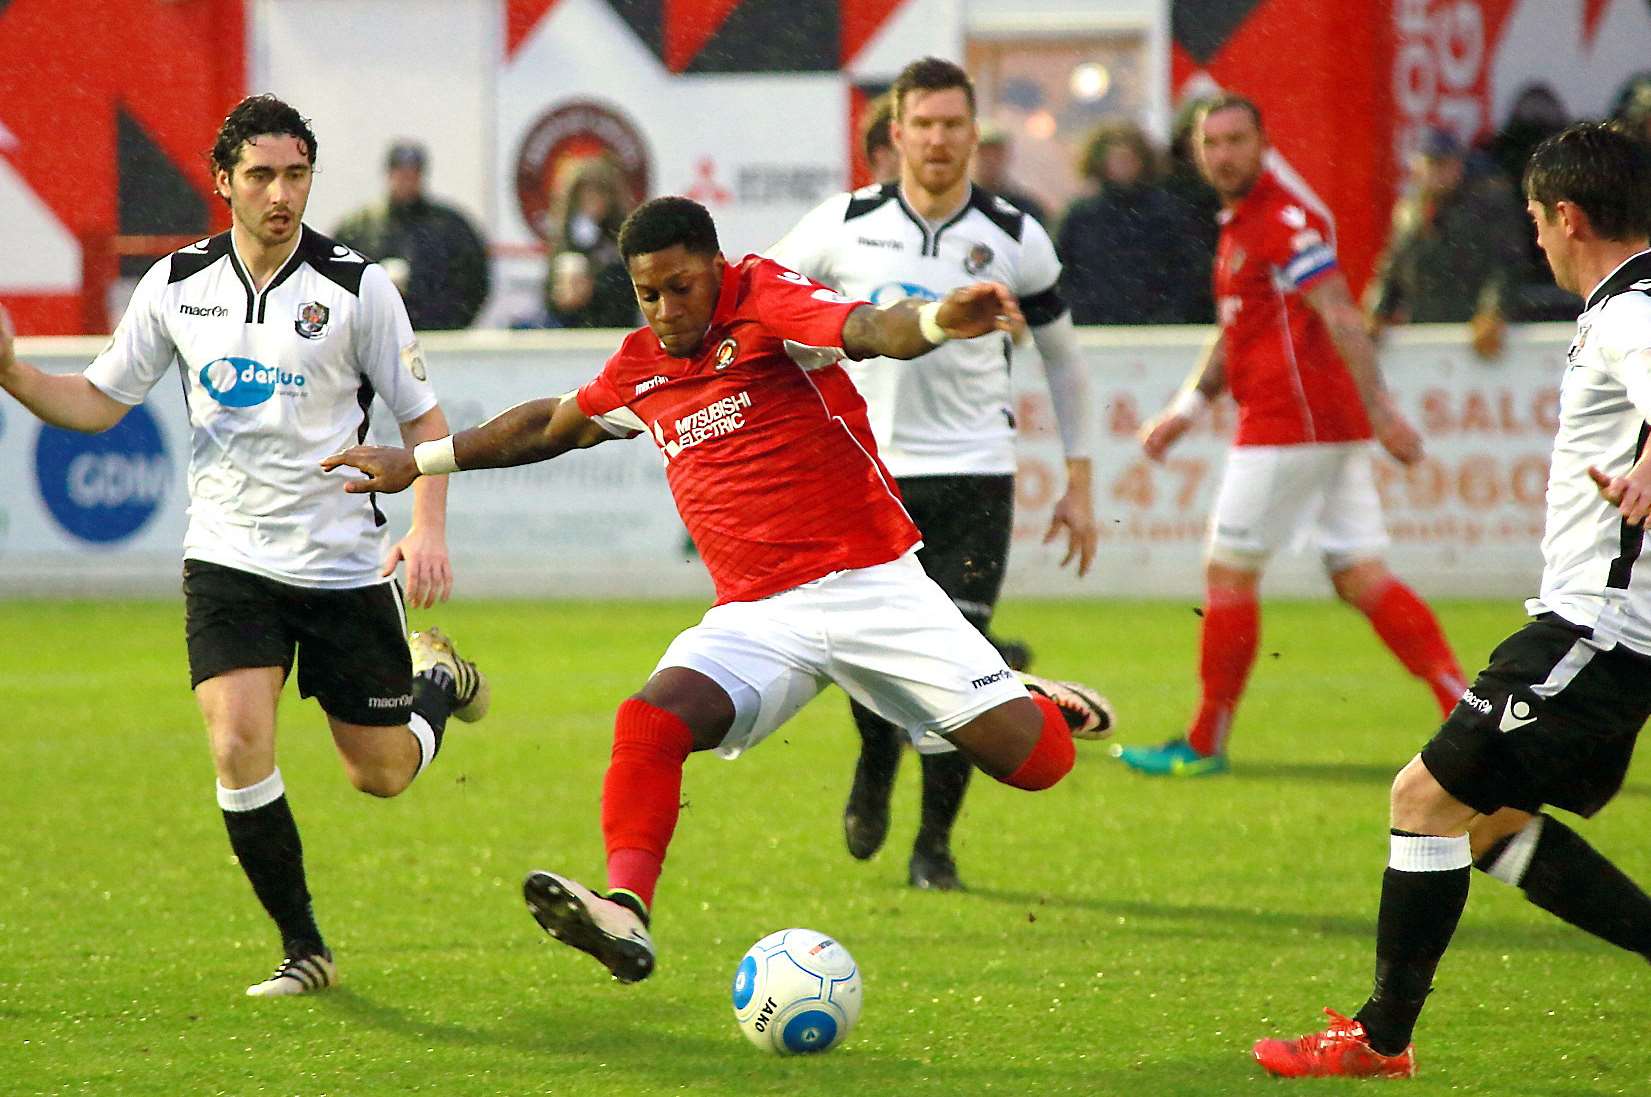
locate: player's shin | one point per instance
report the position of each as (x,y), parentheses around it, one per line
(641,794)
(1424,892)
(1051,756)
(265,840)
(1565,876)
(1411,632)
(1227,647)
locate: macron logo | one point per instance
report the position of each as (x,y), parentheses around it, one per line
(982,683)
(653,382)
(1515,716)
(203,310)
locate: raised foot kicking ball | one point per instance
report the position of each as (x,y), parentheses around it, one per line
(797,992)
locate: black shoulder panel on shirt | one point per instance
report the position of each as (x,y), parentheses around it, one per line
(186,262)
(333,261)
(1636,269)
(866,199)
(998,212)
(1043,308)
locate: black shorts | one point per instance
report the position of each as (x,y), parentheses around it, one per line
(966,522)
(351,645)
(1551,720)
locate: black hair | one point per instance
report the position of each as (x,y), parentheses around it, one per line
(1227,100)
(253,117)
(1603,169)
(930,74)
(661,223)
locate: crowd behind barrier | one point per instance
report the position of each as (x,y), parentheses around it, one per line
(98,515)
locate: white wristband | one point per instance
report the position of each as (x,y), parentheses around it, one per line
(929,325)
(435,458)
(1189,403)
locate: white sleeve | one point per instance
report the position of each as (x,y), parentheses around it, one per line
(141,350)
(1068,377)
(1039,268)
(387,352)
(807,248)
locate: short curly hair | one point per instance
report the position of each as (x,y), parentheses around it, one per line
(253,117)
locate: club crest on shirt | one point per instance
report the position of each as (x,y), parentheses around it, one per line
(726,350)
(312,320)
(978,259)
(412,356)
(1575,352)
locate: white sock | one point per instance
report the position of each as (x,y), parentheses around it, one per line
(254,796)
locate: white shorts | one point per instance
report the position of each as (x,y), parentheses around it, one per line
(888,635)
(1273,496)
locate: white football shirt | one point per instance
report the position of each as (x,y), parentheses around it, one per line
(948,412)
(1592,573)
(274,380)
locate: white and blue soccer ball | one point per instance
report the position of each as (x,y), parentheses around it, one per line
(796,992)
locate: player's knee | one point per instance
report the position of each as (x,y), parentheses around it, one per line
(1419,803)
(379,781)
(1356,581)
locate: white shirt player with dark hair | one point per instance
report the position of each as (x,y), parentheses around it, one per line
(945,427)
(275,380)
(1592,574)
(949,412)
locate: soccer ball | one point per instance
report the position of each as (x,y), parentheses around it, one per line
(796,992)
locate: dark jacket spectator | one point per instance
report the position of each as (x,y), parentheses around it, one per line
(431,252)
(1121,249)
(1202,230)
(1456,251)
(587,285)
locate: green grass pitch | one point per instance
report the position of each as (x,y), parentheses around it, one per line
(1123,936)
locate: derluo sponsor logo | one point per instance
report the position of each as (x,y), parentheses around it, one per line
(246,382)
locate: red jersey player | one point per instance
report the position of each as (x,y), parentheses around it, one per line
(1293,352)
(771,462)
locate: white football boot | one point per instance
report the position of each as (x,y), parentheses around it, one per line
(1087,713)
(573,914)
(298,975)
(472,694)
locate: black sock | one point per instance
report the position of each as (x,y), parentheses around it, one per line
(945,777)
(434,699)
(265,840)
(879,753)
(1421,904)
(1570,879)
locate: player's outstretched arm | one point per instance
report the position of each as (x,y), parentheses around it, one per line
(1205,383)
(66,400)
(910,328)
(1332,300)
(535,431)
(424,548)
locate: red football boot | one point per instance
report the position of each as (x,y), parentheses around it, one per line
(1340,1051)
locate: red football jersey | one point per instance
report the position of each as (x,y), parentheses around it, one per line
(1282,368)
(768,451)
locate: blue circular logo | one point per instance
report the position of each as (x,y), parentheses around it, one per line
(745,982)
(238,382)
(890,292)
(810,1030)
(103,487)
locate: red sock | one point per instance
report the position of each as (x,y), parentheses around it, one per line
(641,794)
(1226,652)
(1052,756)
(1411,632)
